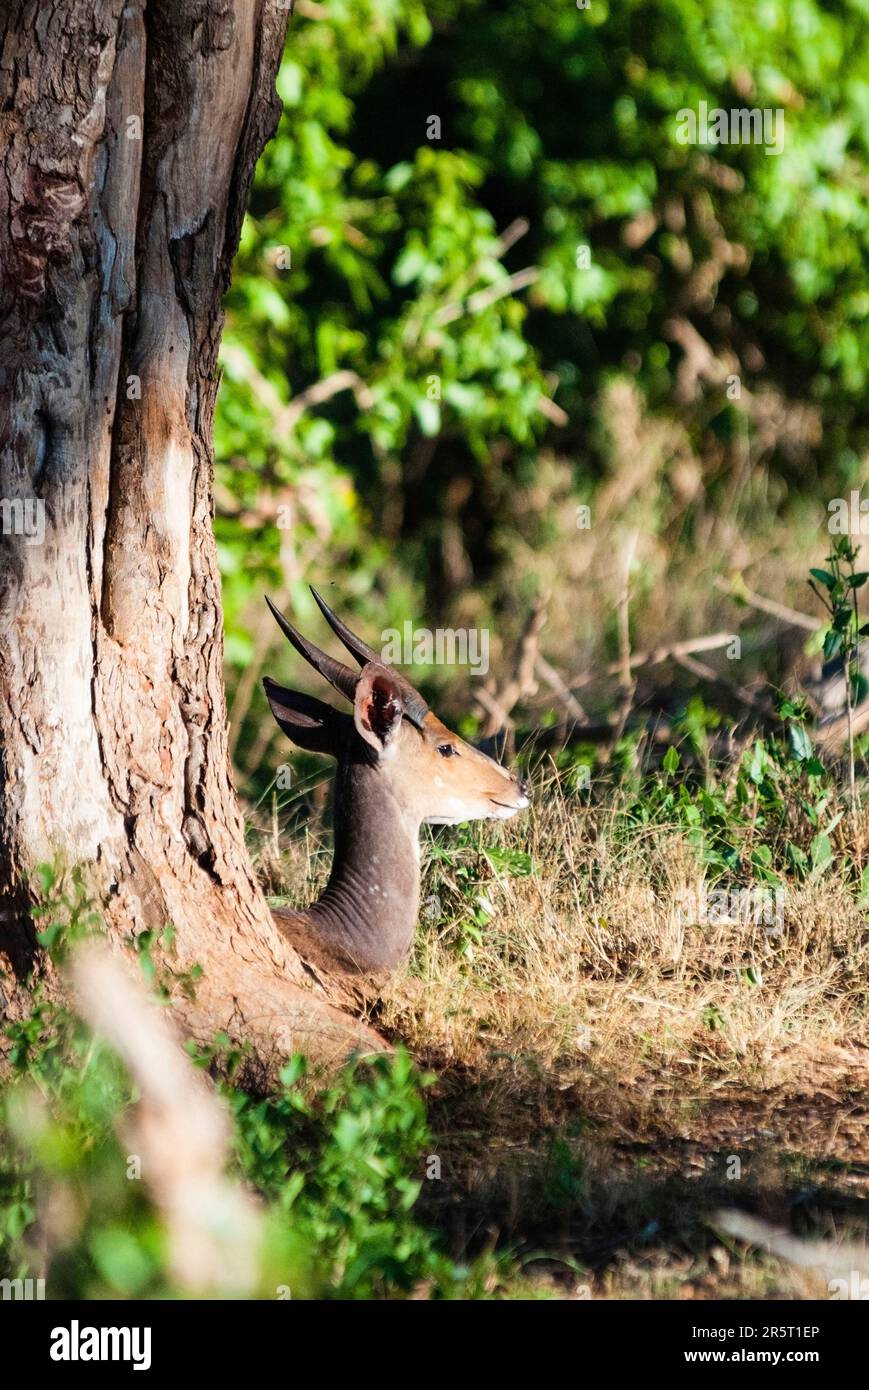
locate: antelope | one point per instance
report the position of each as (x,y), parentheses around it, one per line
(399,767)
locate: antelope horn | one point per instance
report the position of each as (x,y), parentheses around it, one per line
(336,673)
(415,707)
(354,644)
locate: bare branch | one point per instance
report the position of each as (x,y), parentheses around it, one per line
(321,391)
(768,605)
(482,299)
(285,416)
(499,702)
(552,411)
(556,683)
(671,651)
(822,1257)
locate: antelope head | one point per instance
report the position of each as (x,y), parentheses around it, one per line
(399,766)
(435,776)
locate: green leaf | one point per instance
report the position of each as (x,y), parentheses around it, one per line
(409,265)
(293,1071)
(832,644)
(800,742)
(798,859)
(122,1260)
(515,862)
(788,708)
(671,759)
(821,854)
(823,577)
(757,766)
(428,413)
(18,1217)
(46,877)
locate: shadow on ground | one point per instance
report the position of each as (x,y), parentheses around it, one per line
(602,1196)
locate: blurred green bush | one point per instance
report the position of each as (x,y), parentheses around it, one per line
(472,219)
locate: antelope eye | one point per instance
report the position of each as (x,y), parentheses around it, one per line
(447,750)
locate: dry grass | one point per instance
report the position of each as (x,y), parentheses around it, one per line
(587,965)
(601,1062)
(690,522)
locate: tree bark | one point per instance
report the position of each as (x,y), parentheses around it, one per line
(128,136)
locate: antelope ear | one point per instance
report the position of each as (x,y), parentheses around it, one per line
(378,706)
(308,722)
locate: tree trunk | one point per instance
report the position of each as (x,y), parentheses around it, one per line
(128,136)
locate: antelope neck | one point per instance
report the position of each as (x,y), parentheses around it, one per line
(368,910)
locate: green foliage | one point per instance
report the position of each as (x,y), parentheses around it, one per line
(839,594)
(57,1142)
(566,117)
(350,265)
(158,969)
(578,110)
(338,1168)
(339,1171)
(371,266)
(64,913)
(466,879)
(774,820)
(343,1171)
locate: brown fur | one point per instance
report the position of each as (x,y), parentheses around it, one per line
(396,770)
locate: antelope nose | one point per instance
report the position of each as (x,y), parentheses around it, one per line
(523,787)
